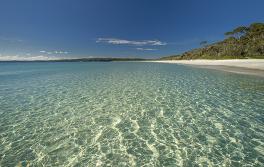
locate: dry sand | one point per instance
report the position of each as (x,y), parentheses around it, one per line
(242,66)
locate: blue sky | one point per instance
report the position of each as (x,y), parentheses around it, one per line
(117,28)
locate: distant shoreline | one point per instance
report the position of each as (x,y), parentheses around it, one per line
(239,66)
(80,60)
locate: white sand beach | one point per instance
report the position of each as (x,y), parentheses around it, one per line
(243,66)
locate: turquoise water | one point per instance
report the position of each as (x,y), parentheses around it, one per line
(129,114)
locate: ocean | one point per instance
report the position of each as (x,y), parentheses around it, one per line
(129,114)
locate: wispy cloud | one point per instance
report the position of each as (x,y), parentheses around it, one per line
(8,39)
(116,41)
(146,49)
(53,52)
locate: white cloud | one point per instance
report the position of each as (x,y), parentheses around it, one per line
(27,58)
(116,41)
(8,39)
(53,52)
(146,49)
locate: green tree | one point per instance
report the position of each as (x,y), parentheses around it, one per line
(238,32)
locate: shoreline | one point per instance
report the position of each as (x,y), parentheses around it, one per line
(238,66)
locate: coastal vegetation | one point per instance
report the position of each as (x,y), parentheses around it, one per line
(241,43)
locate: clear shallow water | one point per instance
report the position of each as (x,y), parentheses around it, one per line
(129,114)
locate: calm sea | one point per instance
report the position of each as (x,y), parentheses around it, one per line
(129,114)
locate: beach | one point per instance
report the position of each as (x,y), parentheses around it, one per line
(241,66)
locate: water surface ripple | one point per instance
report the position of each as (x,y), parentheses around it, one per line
(129,114)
